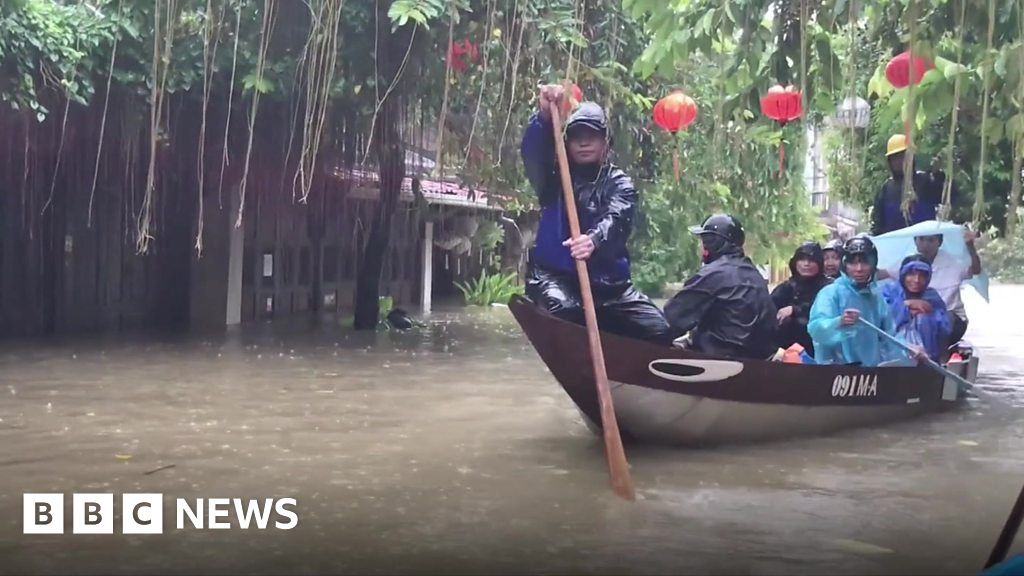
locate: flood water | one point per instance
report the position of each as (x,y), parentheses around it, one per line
(451,448)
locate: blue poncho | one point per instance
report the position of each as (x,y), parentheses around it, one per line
(836,344)
(930,330)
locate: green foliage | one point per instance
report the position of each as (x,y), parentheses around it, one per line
(419,11)
(490,289)
(52,47)
(1004,257)
(488,235)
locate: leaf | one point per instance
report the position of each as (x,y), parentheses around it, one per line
(994,128)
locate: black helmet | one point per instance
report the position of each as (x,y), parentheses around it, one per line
(810,251)
(724,226)
(860,245)
(835,245)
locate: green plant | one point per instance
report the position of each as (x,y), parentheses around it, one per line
(488,235)
(1003,257)
(489,289)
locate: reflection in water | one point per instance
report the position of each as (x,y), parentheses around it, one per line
(451,447)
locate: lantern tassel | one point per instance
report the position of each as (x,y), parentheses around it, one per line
(675,164)
(782,158)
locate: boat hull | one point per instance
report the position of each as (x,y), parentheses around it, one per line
(666,395)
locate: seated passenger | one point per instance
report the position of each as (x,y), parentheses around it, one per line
(726,304)
(833,256)
(918,311)
(839,337)
(795,296)
(948,274)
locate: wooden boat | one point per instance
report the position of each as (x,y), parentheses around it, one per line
(667,395)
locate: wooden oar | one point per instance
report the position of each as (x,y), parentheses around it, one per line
(618,468)
(1009,532)
(966,385)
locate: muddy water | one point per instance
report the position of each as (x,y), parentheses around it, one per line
(451,448)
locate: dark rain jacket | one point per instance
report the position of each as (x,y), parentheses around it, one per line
(799,293)
(887,214)
(605,202)
(728,307)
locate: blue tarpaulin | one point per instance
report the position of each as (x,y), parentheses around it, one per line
(895,246)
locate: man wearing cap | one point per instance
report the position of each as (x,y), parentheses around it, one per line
(726,303)
(605,203)
(887,215)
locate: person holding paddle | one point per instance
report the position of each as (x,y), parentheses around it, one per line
(835,324)
(605,204)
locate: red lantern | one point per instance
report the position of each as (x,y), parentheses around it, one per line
(461,54)
(673,113)
(575,97)
(898,70)
(782,105)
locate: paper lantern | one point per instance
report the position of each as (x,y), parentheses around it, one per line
(898,70)
(782,104)
(673,113)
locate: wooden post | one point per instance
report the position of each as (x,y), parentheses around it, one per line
(428,267)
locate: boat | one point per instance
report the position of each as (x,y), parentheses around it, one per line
(667,395)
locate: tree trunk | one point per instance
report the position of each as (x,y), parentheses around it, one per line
(390,153)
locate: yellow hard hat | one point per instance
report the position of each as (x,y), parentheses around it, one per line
(897,143)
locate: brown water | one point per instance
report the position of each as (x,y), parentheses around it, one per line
(451,448)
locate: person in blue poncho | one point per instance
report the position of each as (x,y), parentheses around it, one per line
(918,312)
(839,337)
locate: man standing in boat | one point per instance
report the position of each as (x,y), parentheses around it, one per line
(605,202)
(887,214)
(835,328)
(726,303)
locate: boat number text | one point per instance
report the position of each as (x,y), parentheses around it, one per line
(862,385)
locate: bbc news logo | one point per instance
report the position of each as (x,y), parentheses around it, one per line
(144,513)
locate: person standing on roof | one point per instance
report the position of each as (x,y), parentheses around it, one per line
(726,303)
(606,203)
(887,214)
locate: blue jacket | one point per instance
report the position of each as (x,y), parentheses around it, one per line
(932,328)
(835,344)
(605,203)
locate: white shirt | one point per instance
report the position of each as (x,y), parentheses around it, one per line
(947,276)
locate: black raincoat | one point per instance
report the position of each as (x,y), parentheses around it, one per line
(799,292)
(727,306)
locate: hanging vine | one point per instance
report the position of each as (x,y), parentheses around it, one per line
(911,119)
(443,117)
(321,61)
(224,159)
(947,186)
(512,98)
(1018,138)
(979,195)
(267,30)
(103,122)
(492,5)
(161,67)
(210,43)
